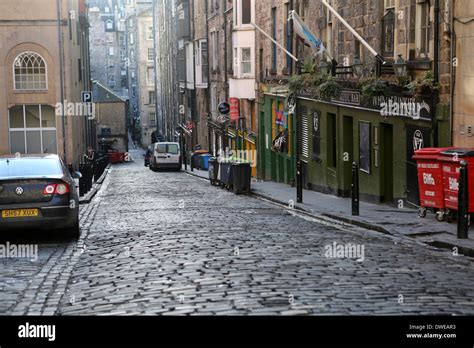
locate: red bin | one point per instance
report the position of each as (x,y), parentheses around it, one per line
(450,160)
(430,181)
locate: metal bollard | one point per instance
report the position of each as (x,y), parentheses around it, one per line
(463,203)
(299,182)
(355,189)
(88,177)
(82,180)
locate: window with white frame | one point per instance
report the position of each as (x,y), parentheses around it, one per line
(132,39)
(111,51)
(423,28)
(150,76)
(246,60)
(329,15)
(152,118)
(389,4)
(151,54)
(109,24)
(243,12)
(201,62)
(204,61)
(246,11)
(32,129)
(149,32)
(152,97)
(30,72)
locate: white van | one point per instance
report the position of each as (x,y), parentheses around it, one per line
(166,156)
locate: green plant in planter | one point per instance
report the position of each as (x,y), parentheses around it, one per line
(374,87)
(423,85)
(296,83)
(305,82)
(329,88)
(308,67)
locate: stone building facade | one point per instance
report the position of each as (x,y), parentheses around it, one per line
(146,75)
(219,26)
(44,67)
(463,74)
(201,74)
(166,53)
(108,44)
(353,125)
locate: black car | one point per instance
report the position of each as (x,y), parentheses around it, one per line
(38,192)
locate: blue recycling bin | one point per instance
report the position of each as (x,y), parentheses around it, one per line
(204,161)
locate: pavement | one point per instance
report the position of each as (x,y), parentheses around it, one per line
(401,221)
(171,244)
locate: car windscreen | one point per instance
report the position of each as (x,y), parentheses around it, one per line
(29,167)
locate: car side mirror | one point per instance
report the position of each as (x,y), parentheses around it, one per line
(77,175)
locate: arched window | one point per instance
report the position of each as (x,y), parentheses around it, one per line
(30,72)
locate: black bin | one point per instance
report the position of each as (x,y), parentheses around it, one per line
(214,171)
(226,174)
(242,177)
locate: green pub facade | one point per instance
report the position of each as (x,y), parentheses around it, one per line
(276,137)
(380,134)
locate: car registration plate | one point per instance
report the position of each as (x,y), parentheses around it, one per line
(19,213)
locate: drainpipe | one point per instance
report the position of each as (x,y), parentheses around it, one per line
(453,75)
(155,65)
(436,69)
(226,78)
(194,135)
(61,77)
(209,85)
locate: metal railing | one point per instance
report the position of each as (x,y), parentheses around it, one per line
(91,171)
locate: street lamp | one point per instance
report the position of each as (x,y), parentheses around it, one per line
(357,68)
(324,66)
(401,67)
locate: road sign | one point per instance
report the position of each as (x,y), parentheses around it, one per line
(224,108)
(87,97)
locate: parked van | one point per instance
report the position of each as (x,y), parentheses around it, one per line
(166,156)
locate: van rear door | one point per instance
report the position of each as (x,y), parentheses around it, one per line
(173,153)
(167,154)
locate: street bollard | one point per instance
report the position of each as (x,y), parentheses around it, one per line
(82,180)
(463,203)
(299,182)
(88,168)
(355,189)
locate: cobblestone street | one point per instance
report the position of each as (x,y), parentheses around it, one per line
(168,243)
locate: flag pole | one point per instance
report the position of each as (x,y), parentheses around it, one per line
(354,32)
(276,43)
